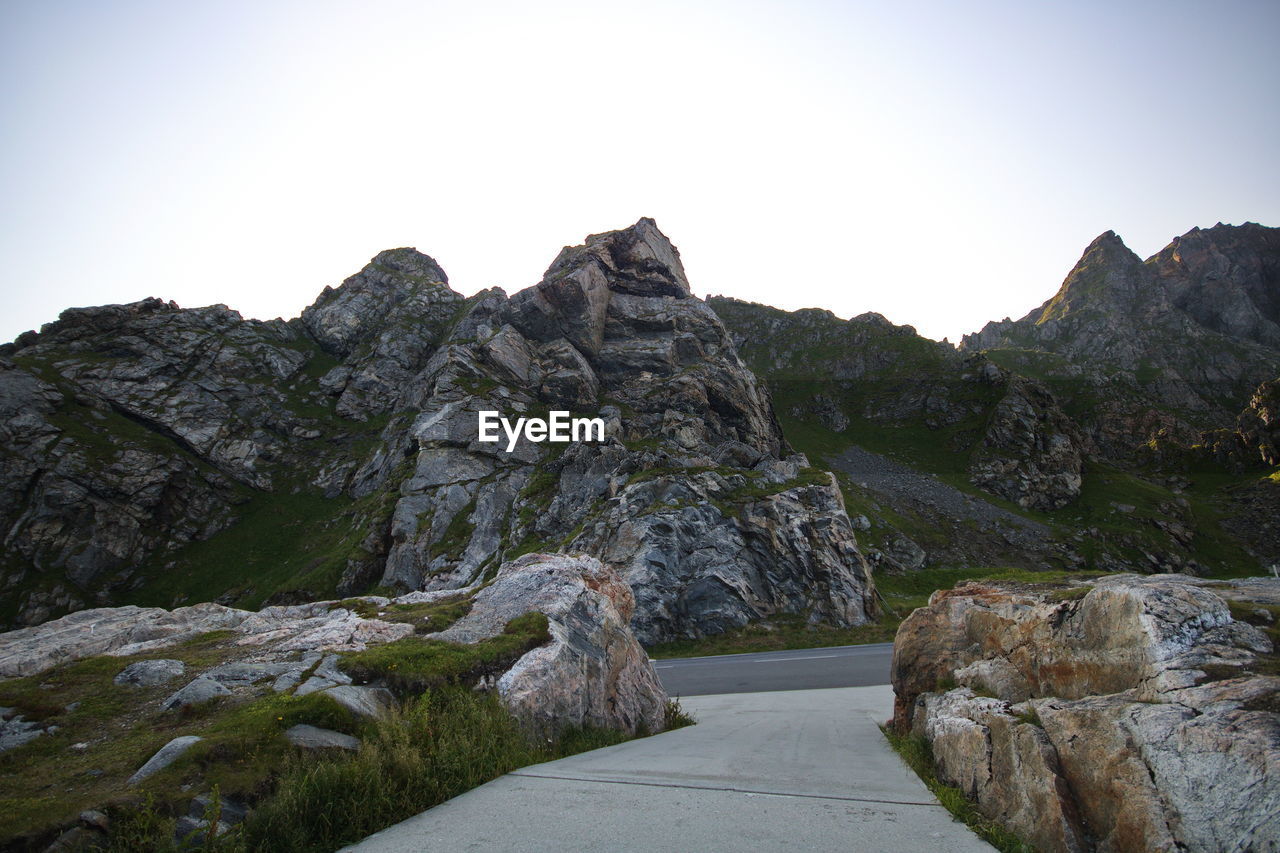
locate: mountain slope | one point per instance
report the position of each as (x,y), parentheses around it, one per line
(1088,416)
(1175,344)
(160,455)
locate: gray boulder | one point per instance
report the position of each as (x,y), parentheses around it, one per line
(368,702)
(312,738)
(169,753)
(15,731)
(198,692)
(149,673)
(593,671)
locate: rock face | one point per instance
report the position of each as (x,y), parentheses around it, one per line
(1007,431)
(146,442)
(593,672)
(1134,713)
(1169,344)
(1133,365)
(1032,453)
(1256,437)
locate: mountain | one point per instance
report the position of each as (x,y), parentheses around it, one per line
(1128,424)
(159,455)
(1172,345)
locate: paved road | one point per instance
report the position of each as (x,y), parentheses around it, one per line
(802,669)
(782,770)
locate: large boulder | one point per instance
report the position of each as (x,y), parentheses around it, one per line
(1129,713)
(593,672)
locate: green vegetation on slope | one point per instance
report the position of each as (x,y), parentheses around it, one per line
(443,738)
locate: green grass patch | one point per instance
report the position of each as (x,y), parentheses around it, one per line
(413,664)
(439,745)
(282,541)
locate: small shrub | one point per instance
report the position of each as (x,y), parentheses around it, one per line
(675,717)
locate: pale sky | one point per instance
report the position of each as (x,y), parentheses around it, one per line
(942,163)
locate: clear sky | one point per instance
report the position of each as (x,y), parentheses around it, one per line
(943,163)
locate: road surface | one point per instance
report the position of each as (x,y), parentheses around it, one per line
(780,770)
(757,672)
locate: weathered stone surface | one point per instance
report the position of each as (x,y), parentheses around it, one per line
(370,702)
(169,753)
(195,693)
(1008,765)
(313,738)
(15,731)
(120,630)
(229,811)
(1144,723)
(612,329)
(593,672)
(1032,453)
(149,673)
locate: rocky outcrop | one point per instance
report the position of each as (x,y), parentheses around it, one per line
(1131,713)
(1031,453)
(143,433)
(1255,441)
(593,672)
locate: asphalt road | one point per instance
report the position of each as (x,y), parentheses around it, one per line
(759,672)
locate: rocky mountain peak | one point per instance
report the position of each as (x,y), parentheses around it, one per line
(410,262)
(639,260)
(1103,279)
(1227,278)
(403,280)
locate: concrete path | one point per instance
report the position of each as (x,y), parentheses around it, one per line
(798,669)
(786,770)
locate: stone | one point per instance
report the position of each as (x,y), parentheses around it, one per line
(150,673)
(593,672)
(189,832)
(1031,453)
(120,630)
(196,692)
(367,702)
(1008,765)
(312,738)
(612,328)
(1132,713)
(74,839)
(167,755)
(15,732)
